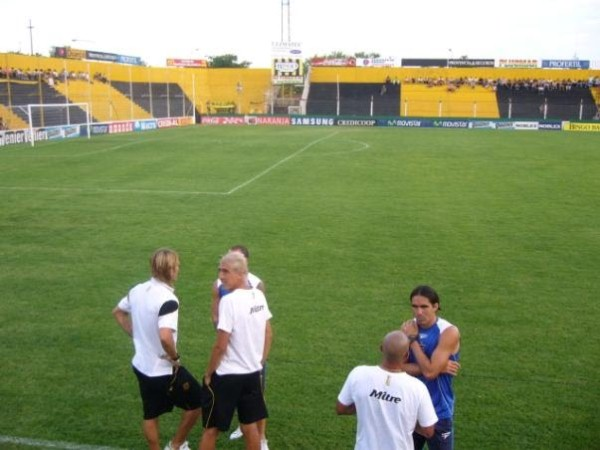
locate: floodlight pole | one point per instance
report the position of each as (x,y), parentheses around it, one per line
(284,4)
(30,37)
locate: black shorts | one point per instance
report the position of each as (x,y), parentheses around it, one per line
(231,392)
(161,394)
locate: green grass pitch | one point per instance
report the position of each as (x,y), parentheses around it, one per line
(341,224)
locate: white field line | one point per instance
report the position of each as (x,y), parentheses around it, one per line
(287,158)
(117,147)
(51,444)
(107,191)
(362,146)
(168,192)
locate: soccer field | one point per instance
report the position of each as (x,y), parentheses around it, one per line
(341,224)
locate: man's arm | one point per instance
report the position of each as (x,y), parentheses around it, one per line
(168,344)
(425,431)
(448,344)
(345,410)
(268,342)
(123,319)
(411,369)
(261,287)
(214,305)
(218,351)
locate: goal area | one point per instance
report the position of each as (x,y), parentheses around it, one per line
(59,120)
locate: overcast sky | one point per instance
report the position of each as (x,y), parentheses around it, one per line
(157,30)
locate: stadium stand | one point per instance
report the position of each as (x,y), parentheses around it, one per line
(355,99)
(23,93)
(463,92)
(157,99)
(421,100)
(9,119)
(118,92)
(106,103)
(576,102)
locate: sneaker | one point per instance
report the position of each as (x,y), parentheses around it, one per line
(263,444)
(237,433)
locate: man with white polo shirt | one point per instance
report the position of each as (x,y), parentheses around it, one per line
(243,342)
(218,291)
(149,313)
(389,403)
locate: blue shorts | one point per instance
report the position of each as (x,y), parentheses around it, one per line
(443,438)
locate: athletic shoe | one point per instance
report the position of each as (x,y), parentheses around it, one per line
(237,433)
(263,444)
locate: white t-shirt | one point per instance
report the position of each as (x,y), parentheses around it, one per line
(244,314)
(144,303)
(388,407)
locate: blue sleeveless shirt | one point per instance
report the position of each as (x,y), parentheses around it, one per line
(440,388)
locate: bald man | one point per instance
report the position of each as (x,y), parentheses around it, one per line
(389,403)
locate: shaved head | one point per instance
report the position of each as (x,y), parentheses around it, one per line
(395,346)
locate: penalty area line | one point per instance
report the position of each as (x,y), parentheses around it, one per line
(51,444)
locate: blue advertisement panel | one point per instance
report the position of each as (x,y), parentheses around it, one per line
(565,64)
(550,125)
(406,123)
(313,121)
(451,123)
(143,125)
(99,129)
(112,57)
(356,122)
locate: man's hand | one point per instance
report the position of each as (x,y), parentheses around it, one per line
(175,361)
(410,328)
(452,368)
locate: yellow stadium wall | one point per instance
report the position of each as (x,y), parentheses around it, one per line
(201,85)
(379,74)
(419,100)
(220,86)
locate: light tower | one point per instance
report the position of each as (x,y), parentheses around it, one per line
(285,14)
(30,37)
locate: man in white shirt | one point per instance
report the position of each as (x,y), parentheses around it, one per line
(242,345)
(149,313)
(389,403)
(218,291)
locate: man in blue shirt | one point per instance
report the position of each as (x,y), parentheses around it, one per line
(434,359)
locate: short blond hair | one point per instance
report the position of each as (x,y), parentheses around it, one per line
(236,261)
